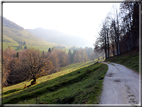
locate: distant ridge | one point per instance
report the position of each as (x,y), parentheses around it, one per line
(51,35)
(11,24)
(14,35)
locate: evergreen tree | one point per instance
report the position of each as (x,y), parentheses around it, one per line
(71,56)
(17,55)
(25,47)
(74,52)
(69,52)
(49,50)
(43,52)
(24,43)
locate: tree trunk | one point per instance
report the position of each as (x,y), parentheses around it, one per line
(116,46)
(108,43)
(105,48)
(34,80)
(113,49)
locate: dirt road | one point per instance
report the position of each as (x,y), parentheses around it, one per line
(120,86)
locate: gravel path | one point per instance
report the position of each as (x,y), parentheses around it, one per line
(120,86)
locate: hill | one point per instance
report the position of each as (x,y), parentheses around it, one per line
(82,86)
(14,35)
(58,37)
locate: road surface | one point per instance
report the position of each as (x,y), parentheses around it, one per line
(120,86)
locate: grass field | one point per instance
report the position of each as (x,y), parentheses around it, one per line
(63,70)
(130,60)
(74,84)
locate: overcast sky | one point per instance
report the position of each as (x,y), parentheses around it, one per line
(80,19)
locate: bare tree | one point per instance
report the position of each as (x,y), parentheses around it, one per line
(119,31)
(34,63)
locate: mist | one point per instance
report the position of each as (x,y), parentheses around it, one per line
(55,36)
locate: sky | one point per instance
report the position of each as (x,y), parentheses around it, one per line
(77,19)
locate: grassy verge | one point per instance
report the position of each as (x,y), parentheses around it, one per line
(83,86)
(130,60)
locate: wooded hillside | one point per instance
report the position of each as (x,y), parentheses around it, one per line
(29,64)
(120,30)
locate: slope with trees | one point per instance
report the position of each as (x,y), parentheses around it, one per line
(120,30)
(30,64)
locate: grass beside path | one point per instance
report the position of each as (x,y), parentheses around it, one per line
(130,60)
(82,86)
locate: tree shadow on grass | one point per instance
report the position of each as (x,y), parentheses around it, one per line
(11,91)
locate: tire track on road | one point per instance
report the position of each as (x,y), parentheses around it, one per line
(120,86)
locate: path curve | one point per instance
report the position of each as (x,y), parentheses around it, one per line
(120,86)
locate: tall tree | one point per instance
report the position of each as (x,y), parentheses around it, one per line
(43,52)
(70,56)
(55,61)
(101,42)
(77,57)
(24,43)
(17,55)
(49,50)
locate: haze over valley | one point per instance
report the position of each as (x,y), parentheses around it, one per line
(57,24)
(14,35)
(54,36)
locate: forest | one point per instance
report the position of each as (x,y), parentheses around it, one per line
(28,64)
(119,32)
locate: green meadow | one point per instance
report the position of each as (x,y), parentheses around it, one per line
(79,83)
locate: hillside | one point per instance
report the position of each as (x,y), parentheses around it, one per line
(58,37)
(80,86)
(14,35)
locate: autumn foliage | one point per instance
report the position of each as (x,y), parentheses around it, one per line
(30,64)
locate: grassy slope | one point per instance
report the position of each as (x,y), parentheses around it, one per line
(81,86)
(130,60)
(18,36)
(63,71)
(14,35)
(9,42)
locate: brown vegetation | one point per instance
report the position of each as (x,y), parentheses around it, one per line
(30,64)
